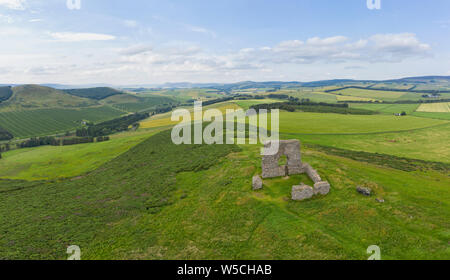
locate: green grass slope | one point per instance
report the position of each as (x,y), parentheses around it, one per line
(162,201)
(38,97)
(56,162)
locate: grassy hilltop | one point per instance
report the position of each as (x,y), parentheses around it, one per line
(161,201)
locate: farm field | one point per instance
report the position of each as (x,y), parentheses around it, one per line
(164,120)
(317,123)
(435,107)
(344,98)
(410,144)
(28,123)
(246,104)
(375,94)
(51,162)
(388,108)
(199,187)
(183,95)
(439,116)
(315,96)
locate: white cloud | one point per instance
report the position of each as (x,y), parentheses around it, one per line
(198,29)
(13,4)
(6,19)
(135,50)
(316,41)
(178,61)
(130,23)
(399,43)
(79,37)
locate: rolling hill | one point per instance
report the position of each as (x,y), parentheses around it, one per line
(98,93)
(134,103)
(39,97)
(166,201)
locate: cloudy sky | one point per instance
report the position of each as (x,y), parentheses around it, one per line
(152,41)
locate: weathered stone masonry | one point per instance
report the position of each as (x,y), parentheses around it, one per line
(271,169)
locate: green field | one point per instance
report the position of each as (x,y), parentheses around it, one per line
(409,144)
(161,201)
(317,123)
(183,95)
(388,108)
(27,123)
(246,104)
(51,162)
(439,116)
(435,107)
(140,103)
(372,94)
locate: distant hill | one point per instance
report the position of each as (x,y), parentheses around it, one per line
(35,97)
(98,93)
(5,93)
(424,79)
(132,103)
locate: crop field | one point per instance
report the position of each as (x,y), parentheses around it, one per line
(435,107)
(164,120)
(344,98)
(186,94)
(39,122)
(372,94)
(246,104)
(196,202)
(439,116)
(409,144)
(316,96)
(316,123)
(388,108)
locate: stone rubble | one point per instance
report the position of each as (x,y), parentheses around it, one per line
(364,191)
(257,183)
(302,192)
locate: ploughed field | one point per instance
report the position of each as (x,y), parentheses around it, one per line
(28,123)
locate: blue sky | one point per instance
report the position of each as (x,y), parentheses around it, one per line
(152,42)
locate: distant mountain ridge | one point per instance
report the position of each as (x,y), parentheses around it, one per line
(245,84)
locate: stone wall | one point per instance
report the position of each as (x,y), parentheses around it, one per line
(272,169)
(270,163)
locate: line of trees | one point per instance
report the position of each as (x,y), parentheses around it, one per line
(110,127)
(430,91)
(443,100)
(52,141)
(306,105)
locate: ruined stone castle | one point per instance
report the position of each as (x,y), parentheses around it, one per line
(294,165)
